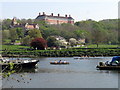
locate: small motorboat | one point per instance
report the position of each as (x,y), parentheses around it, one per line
(86,57)
(77,57)
(16,64)
(110,65)
(59,62)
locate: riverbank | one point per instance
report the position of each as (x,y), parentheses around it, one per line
(72,52)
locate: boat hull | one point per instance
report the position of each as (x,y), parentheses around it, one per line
(19,65)
(57,63)
(108,67)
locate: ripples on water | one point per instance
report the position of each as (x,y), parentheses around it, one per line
(80,73)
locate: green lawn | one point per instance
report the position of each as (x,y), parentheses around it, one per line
(14,47)
(102,46)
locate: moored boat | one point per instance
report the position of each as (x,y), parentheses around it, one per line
(16,64)
(110,65)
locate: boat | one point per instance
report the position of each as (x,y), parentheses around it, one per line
(59,62)
(86,57)
(77,57)
(110,65)
(5,63)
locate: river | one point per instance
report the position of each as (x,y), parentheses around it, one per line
(80,73)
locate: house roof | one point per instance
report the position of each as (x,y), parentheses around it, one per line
(54,16)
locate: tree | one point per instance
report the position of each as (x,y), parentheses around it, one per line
(20,32)
(61,43)
(80,33)
(51,41)
(73,41)
(26,40)
(34,33)
(22,21)
(6,24)
(39,43)
(98,34)
(5,35)
(30,21)
(13,35)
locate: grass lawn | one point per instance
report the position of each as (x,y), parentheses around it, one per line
(14,47)
(18,47)
(102,46)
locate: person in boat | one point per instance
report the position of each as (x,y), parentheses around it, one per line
(59,61)
(55,61)
(65,61)
(115,60)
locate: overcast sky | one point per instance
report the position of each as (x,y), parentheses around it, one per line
(78,9)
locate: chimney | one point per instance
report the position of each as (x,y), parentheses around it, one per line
(43,13)
(51,14)
(66,15)
(58,15)
(39,14)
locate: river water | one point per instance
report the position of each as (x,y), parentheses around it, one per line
(80,73)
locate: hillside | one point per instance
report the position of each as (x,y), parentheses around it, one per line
(102,32)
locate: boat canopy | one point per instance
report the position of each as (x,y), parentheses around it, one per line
(115,58)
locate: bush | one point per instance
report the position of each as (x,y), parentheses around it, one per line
(39,43)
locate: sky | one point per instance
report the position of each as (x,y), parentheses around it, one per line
(78,9)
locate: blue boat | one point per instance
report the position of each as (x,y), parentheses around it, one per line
(114,64)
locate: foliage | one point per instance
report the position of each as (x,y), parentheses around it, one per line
(6,24)
(100,32)
(20,32)
(13,35)
(89,50)
(51,42)
(98,35)
(73,41)
(34,33)
(80,34)
(5,35)
(39,43)
(6,72)
(104,31)
(26,40)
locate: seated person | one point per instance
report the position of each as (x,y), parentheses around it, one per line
(59,61)
(55,61)
(65,61)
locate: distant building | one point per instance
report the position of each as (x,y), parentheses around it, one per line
(31,26)
(14,22)
(25,26)
(51,19)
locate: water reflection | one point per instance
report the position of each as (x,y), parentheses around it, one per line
(32,70)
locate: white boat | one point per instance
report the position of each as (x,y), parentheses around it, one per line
(5,63)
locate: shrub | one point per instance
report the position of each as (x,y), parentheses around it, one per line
(39,43)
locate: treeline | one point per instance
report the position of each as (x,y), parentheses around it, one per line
(101,32)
